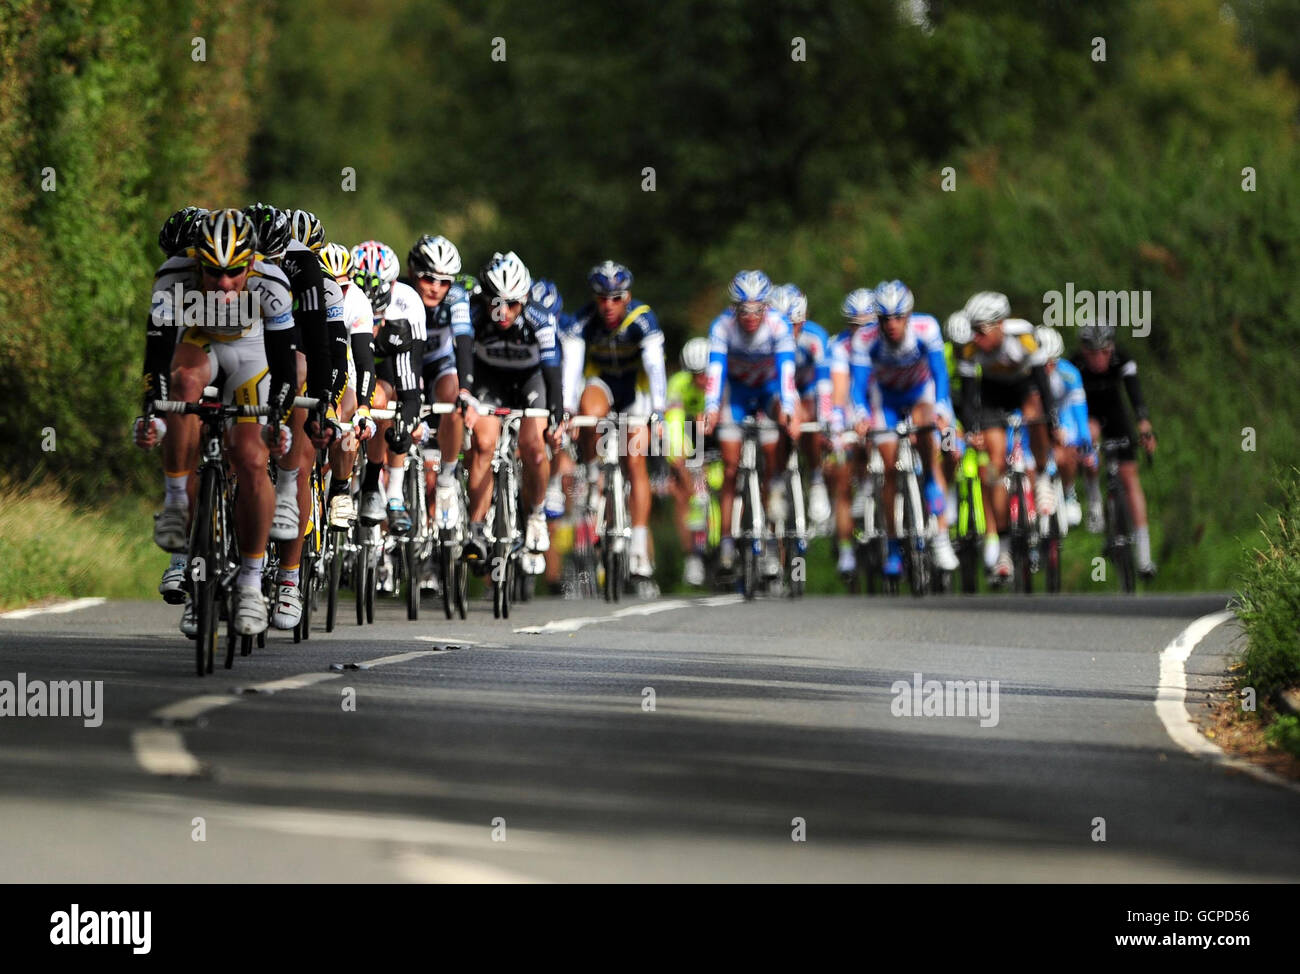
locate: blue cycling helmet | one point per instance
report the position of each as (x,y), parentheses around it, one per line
(893,298)
(859,305)
(750,286)
(609,278)
(546,296)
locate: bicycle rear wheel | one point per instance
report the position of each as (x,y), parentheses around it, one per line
(447,567)
(1023,578)
(1121,541)
(500,582)
(918,575)
(411,566)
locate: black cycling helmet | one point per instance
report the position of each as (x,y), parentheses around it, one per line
(1097,336)
(272,227)
(375,289)
(177,234)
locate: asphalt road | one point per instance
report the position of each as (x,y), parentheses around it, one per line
(535,755)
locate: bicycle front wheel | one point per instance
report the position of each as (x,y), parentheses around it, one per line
(205,567)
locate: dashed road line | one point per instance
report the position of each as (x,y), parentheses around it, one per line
(72,606)
(574,623)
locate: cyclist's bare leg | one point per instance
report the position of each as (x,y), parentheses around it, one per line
(889,456)
(301,456)
(638,444)
(681,487)
(255,499)
(190,372)
(923,415)
(1137,500)
(537,466)
(451,426)
(730,450)
(594,402)
(482,446)
(341,459)
(996,510)
(1040,437)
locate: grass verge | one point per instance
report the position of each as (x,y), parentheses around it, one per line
(51,547)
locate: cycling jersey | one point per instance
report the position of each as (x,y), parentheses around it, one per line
(625,359)
(685,402)
(318,321)
(252,353)
(515,367)
(751,369)
(444,324)
(571,351)
(1104,394)
(1072,402)
(887,380)
(398,344)
(812,366)
(999,381)
(359,320)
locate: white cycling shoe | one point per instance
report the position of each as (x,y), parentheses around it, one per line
(172,586)
(945,559)
(535,537)
(693,570)
(819,503)
(848,562)
(250,611)
(169,532)
(639,565)
(284,523)
(342,511)
(288,606)
(1073,512)
(1045,497)
(555,500)
(447,502)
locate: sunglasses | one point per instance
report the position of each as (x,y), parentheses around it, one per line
(612,296)
(751,309)
(220,272)
(435,278)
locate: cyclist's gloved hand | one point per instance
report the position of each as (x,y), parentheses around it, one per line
(362,425)
(318,428)
(398,436)
(149,431)
(279,439)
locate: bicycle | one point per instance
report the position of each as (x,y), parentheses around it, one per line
(1118,546)
(447,537)
(610,518)
(970,527)
(792,533)
(912,522)
(1052,532)
(1023,517)
(748,522)
(505,536)
(704,516)
(213,551)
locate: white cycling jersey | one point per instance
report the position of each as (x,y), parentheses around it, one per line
(179,301)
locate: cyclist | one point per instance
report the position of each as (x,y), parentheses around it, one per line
(400,333)
(751,371)
(432,266)
(514,364)
(1002,371)
(812,378)
(622,347)
(175,238)
(359,319)
(898,366)
(1072,406)
(1104,369)
(255,357)
(292,241)
(685,399)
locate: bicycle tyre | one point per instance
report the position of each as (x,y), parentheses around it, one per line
(914,548)
(447,568)
(360,567)
(411,564)
(1023,579)
(372,585)
(1120,541)
(462,587)
(334,577)
(207,578)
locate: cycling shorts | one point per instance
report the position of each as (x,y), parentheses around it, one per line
(238,367)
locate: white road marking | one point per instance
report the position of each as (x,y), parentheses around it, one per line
(72,606)
(400,657)
(420,867)
(649,608)
(192,707)
(163,752)
(1171,703)
(288,683)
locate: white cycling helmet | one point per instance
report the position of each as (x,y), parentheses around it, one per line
(506,277)
(377,258)
(780,298)
(750,287)
(957,328)
(1049,340)
(894,298)
(987,307)
(695,355)
(434,255)
(859,306)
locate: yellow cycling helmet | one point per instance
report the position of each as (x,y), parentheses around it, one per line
(336,260)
